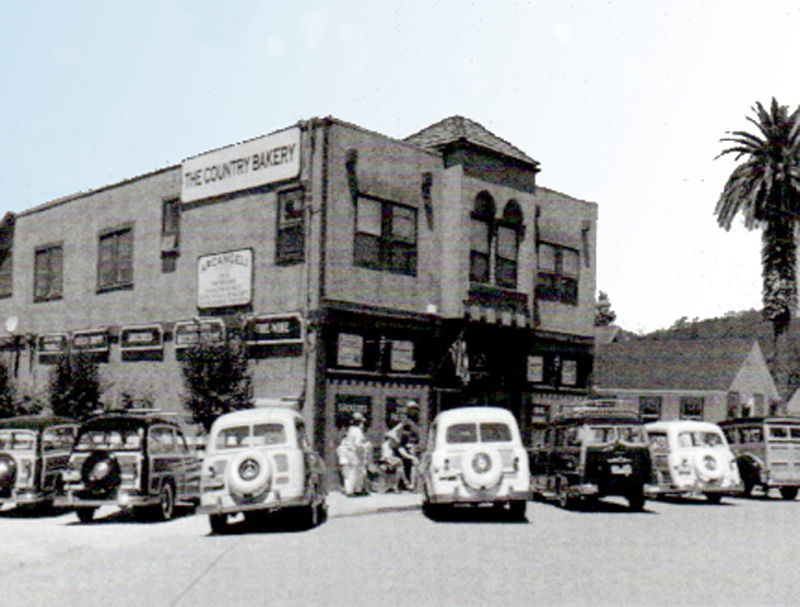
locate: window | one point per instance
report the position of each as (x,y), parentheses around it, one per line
(650,408)
(386,236)
(170,234)
(6,257)
(558,274)
(290,244)
(758,405)
(692,407)
(115,260)
(481,238)
(48,273)
(509,235)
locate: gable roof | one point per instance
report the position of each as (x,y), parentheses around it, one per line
(674,364)
(459,129)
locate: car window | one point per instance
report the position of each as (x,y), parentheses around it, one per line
(752,435)
(795,432)
(495,432)
(17,440)
(631,434)
(700,439)
(600,435)
(778,432)
(268,434)
(58,437)
(658,440)
(162,440)
(233,437)
(101,438)
(462,433)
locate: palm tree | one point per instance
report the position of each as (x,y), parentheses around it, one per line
(765,189)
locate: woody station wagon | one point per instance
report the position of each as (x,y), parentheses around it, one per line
(33,452)
(767,452)
(134,459)
(590,452)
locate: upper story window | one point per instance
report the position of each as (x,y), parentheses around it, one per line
(48,272)
(692,407)
(7,256)
(290,243)
(558,273)
(481,228)
(115,260)
(386,236)
(170,234)
(509,235)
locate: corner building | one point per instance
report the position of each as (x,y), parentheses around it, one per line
(363,272)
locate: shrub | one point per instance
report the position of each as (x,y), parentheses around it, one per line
(217,380)
(75,386)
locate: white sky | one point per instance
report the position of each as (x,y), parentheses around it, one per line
(622,102)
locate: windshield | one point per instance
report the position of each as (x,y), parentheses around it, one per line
(700,439)
(258,435)
(17,440)
(489,432)
(603,435)
(112,439)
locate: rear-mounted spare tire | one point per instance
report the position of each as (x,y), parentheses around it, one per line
(101,473)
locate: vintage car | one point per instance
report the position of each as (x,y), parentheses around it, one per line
(475,457)
(33,452)
(767,452)
(692,458)
(136,458)
(260,461)
(589,452)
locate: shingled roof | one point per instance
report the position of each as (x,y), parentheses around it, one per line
(456,129)
(673,364)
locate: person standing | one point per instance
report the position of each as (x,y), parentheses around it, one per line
(352,453)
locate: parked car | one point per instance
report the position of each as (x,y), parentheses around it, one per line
(589,452)
(33,452)
(474,457)
(138,459)
(259,461)
(767,452)
(692,458)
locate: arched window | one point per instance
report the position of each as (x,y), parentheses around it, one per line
(509,236)
(481,238)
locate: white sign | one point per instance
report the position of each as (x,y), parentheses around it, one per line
(225,279)
(250,164)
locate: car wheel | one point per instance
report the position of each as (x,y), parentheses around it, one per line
(516,510)
(788,493)
(85,515)
(166,502)
(713,498)
(219,523)
(636,500)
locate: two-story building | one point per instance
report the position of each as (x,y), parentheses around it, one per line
(362,271)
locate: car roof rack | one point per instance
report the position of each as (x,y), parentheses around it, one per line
(605,408)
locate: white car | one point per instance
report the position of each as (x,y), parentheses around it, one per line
(258,461)
(692,458)
(475,456)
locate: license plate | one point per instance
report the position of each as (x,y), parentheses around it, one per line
(621,469)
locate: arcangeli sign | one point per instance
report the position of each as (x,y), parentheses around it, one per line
(268,159)
(225,279)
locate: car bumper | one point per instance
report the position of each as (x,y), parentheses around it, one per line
(224,504)
(122,500)
(699,488)
(461,494)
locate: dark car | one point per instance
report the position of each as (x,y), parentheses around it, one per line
(33,452)
(133,459)
(767,451)
(591,452)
